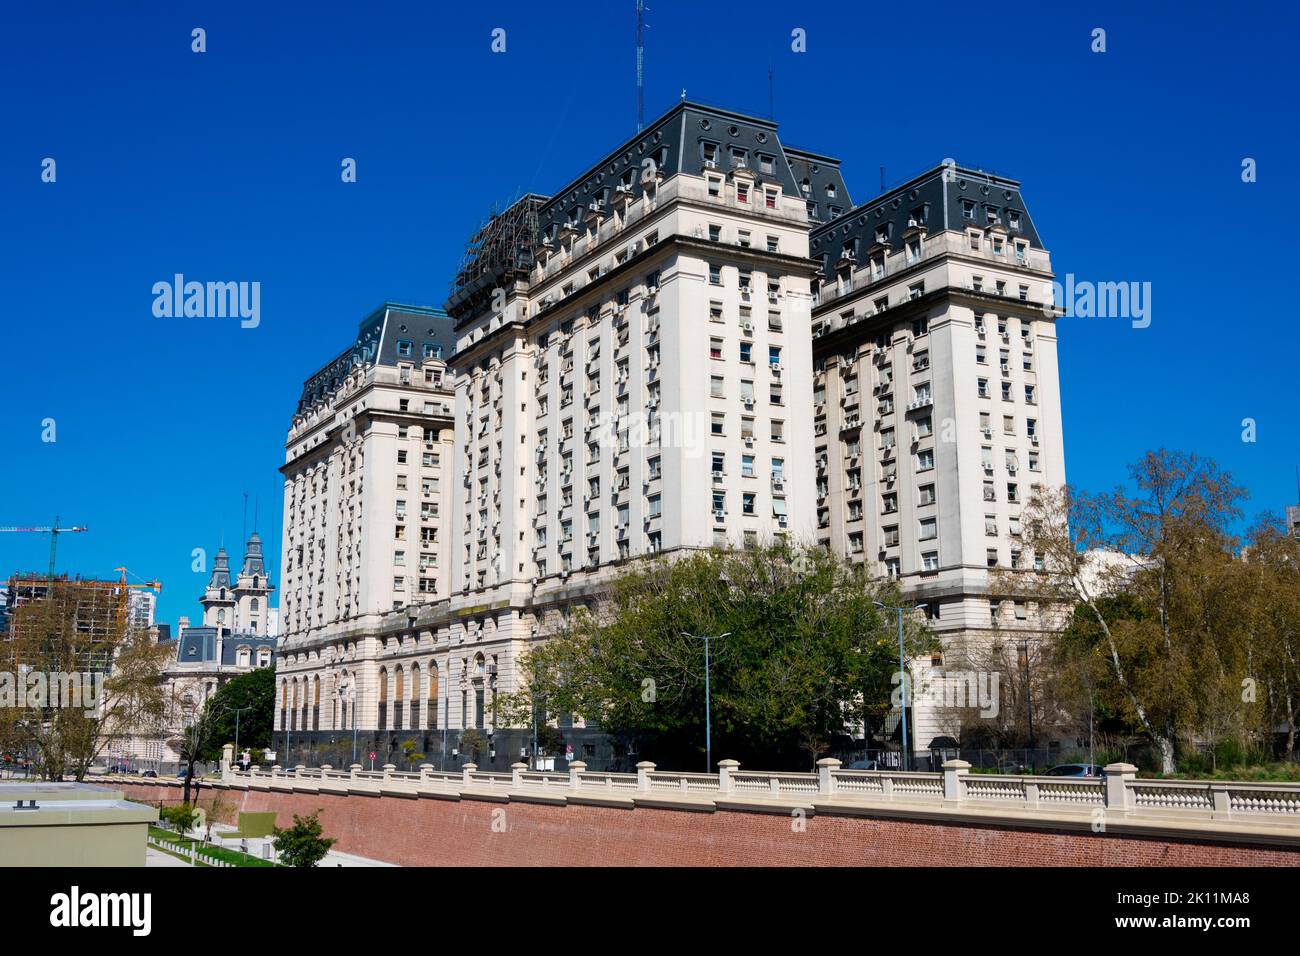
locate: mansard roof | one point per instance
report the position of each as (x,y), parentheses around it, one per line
(379,340)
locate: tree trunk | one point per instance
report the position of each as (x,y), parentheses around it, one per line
(1165,750)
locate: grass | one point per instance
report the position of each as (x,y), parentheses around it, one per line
(182,845)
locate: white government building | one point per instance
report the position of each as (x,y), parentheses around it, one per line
(700,341)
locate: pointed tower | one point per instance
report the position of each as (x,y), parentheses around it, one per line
(219,599)
(253,590)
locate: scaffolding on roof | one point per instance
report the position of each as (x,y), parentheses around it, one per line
(500,251)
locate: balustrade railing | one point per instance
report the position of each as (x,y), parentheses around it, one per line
(1120,790)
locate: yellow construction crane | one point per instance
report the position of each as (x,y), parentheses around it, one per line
(54,533)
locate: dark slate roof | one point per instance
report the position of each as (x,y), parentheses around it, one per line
(164,633)
(820,183)
(253,563)
(675,142)
(377,342)
(220,571)
(199,645)
(941,198)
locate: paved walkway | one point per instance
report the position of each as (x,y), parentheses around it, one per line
(260,847)
(154,857)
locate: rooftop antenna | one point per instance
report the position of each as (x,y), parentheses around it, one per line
(640,65)
(256,502)
(882,179)
(771,92)
(245,531)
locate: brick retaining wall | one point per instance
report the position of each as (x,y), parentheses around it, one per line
(470,832)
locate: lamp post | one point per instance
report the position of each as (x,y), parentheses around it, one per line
(237,710)
(1029,702)
(902,676)
(708,718)
(348,694)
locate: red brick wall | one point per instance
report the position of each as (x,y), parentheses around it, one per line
(427,832)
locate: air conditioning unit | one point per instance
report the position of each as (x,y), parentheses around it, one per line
(988,432)
(778,482)
(749,442)
(748,328)
(1033,439)
(719,515)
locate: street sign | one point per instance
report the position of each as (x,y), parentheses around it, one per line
(372,755)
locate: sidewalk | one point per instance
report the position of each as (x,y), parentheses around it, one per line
(261,847)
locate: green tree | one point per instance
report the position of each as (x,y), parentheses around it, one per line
(410,754)
(253,696)
(808,654)
(302,844)
(1149,575)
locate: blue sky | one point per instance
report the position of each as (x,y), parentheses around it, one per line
(225,166)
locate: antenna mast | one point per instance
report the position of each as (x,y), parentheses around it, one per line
(640,65)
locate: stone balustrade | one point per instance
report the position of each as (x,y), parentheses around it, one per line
(1262,808)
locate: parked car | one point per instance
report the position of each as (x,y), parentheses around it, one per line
(1074,770)
(864,765)
(181,774)
(149,773)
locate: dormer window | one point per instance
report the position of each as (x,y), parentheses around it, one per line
(404,347)
(830,191)
(739,158)
(710,155)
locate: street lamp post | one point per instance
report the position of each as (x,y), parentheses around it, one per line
(1029,701)
(237,710)
(902,676)
(708,718)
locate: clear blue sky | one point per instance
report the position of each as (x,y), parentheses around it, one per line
(225,166)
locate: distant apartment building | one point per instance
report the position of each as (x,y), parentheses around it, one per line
(1293,520)
(936,402)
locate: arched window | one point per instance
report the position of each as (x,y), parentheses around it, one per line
(413,693)
(315,703)
(293,712)
(399,698)
(432,716)
(242,656)
(252,605)
(221,615)
(383,698)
